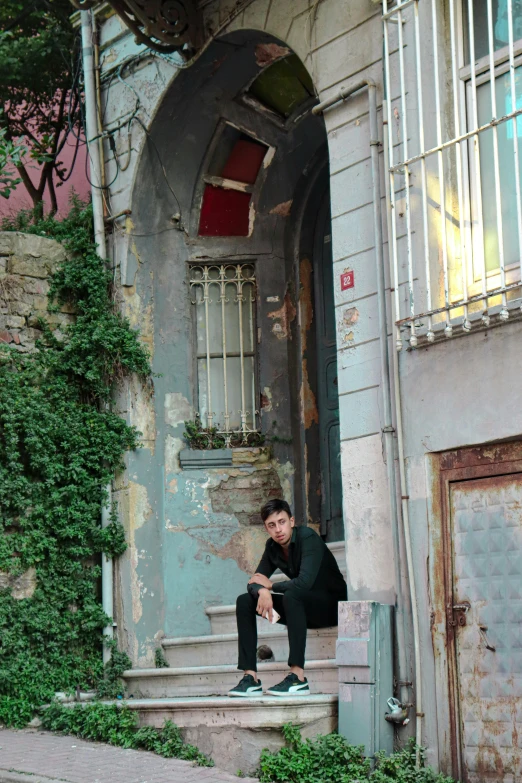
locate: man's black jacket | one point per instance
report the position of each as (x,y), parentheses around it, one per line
(310,565)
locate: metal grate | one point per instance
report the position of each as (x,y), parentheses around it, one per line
(453,79)
(224,298)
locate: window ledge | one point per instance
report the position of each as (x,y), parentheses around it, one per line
(195,459)
(198,459)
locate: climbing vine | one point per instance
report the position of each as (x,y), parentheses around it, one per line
(59,446)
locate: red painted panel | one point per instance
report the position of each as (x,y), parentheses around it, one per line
(224,213)
(244,162)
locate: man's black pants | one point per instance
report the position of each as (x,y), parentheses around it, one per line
(299,610)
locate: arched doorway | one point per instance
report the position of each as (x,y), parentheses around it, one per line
(230,257)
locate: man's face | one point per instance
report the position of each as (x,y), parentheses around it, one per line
(279,527)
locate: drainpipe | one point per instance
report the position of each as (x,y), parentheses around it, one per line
(419,714)
(96,168)
(388,430)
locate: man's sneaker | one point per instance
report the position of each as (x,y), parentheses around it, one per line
(247,687)
(291,686)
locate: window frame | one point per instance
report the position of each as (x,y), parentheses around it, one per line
(206,178)
(227,261)
(474,242)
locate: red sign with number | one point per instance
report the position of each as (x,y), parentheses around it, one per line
(347,280)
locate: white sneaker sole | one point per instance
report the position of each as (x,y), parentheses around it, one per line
(248,695)
(296,692)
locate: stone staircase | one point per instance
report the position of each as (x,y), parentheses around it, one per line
(192,690)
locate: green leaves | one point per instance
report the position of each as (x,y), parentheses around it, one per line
(199,437)
(39,93)
(330,759)
(117,725)
(59,447)
(11,155)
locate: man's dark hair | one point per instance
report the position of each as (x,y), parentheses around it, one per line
(273,507)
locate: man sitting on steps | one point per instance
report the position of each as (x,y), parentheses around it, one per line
(307,600)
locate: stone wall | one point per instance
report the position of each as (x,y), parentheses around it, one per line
(26,263)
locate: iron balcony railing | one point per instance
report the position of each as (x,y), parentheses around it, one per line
(453,77)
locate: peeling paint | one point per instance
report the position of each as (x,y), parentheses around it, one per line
(283,318)
(350,316)
(173,447)
(306,308)
(110,56)
(139,512)
(310,411)
(140,316)
(283,209)
(285,473)
(245,547)
(251,218)
(177,409)
(269,157)
(268,53)
(266,400)
(243,495)
(143,412)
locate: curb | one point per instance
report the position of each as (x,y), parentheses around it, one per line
(12,776)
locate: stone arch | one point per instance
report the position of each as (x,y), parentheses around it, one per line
(189,521)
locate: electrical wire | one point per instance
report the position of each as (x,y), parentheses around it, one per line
(149,137)
(109,133)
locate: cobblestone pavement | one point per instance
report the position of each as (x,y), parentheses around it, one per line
(33,756)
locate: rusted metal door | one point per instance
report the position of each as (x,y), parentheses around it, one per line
(484,620)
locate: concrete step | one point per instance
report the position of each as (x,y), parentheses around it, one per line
(223,621)
(218,680)
(219,649)
(234,731)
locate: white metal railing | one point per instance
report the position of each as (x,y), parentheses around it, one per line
(454,190)
(224,296)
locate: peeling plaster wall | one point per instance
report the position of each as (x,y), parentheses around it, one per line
(200,553)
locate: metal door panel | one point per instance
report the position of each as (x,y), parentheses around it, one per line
(486,534)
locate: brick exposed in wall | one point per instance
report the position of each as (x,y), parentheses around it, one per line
(244,494)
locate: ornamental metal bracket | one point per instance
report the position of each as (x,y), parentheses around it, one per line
(164,26)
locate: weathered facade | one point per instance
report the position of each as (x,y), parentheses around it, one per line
(309,226)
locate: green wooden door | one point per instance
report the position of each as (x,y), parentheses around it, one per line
(327,392)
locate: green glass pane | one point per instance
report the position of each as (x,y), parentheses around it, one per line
(283,86)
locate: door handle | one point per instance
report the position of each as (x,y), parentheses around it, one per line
(483,629)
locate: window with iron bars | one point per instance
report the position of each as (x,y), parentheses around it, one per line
(453,77)
(224,297)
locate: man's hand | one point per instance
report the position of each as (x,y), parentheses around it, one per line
(259,579)
(265,604)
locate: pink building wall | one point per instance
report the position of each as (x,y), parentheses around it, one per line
(19,198)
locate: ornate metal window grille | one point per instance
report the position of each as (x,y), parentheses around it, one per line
(224,297)
(453,73)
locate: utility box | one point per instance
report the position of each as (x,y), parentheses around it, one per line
(365,661)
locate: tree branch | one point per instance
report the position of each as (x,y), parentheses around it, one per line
(52,192)
(33,192)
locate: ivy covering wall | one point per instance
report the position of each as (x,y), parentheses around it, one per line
(59,446)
